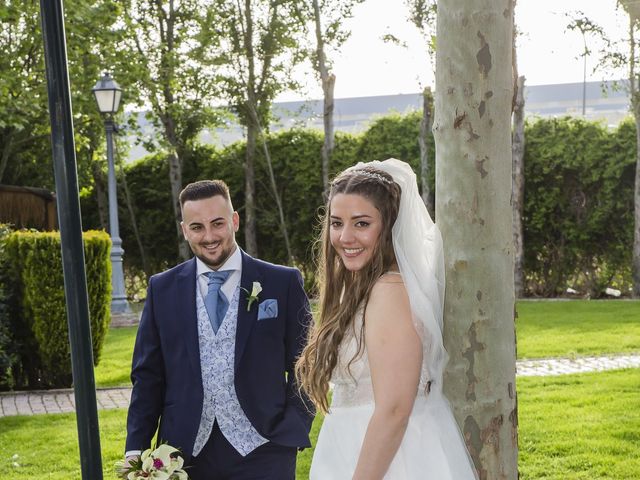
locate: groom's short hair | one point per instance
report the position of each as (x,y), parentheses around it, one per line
(204,189)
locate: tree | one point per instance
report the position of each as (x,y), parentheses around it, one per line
(24,124)
(262,44)
(474,88)
(517,194)
(426,123)
(586,27)
(423,14)
(332,13)
(626,56)
(23,98)
(633,9)
(169,43)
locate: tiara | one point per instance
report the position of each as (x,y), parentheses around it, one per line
(373,175)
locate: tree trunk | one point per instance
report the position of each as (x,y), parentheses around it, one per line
(636,203)
(175,178)
(6,152)
(328,85)
(635,105)
(423,140)
(276,195)
(474,89)
(272,181)
(134,223)
(517,195)
(328,81)
(250,240)
(101,193)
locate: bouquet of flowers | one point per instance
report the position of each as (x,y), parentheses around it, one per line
(163,463)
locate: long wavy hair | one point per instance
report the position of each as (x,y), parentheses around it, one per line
(342,292)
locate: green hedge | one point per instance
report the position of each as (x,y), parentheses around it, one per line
(38,310)
(7,345)
(578,223)
(578,211)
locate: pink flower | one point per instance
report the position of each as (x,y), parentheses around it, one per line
(157,463)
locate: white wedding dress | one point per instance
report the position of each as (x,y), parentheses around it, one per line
(432,447)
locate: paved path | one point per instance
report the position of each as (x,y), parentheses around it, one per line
(58,401)
(62,401)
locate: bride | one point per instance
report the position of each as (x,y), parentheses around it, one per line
(378,338)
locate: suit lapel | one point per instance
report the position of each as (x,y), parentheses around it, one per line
(187,309)
(246,319)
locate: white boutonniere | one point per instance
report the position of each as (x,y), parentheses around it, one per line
(252,296)
(164,462)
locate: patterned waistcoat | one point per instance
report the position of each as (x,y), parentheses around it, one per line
(217,356)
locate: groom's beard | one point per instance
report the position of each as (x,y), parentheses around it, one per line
(218,260)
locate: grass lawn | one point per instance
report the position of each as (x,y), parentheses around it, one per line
(573,427)
(577,328)
(544,329)
(580,427)
(115,364)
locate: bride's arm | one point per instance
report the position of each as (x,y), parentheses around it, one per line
(395,357)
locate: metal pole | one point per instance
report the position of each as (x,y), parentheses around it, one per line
(75,284)
(119,302)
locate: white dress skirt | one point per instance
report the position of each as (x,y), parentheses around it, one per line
(432,447)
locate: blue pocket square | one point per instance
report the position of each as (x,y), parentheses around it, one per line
(268,309)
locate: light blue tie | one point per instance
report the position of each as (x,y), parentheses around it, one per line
(215,301)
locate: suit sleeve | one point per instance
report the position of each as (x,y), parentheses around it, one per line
(148,379)
(298,323)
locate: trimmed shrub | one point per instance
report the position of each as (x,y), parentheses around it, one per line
(578,205)
(41,319)
(7,346)
(578,211)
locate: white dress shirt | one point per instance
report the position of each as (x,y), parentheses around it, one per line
(233,263)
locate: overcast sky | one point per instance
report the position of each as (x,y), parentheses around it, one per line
(547,52)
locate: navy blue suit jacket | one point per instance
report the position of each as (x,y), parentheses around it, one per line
(167,393)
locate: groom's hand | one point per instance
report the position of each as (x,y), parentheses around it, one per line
(129,459)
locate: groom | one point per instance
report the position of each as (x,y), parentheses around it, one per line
(214,356)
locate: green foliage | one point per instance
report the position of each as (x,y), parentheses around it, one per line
(396,136)
(7,350)
(578,205)
(296,159)
(39,313)
(577,212)
(25,144)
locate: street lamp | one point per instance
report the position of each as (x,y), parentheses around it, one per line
(108,94)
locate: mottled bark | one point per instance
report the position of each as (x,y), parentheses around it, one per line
(328,81)
(517,194)
(472,125)
(423,140)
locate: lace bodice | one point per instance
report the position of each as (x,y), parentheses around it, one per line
(352,383)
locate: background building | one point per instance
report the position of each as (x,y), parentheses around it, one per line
(606,102)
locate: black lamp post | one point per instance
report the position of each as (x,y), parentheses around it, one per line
(108,94)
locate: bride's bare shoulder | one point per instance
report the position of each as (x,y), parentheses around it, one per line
(389,296)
